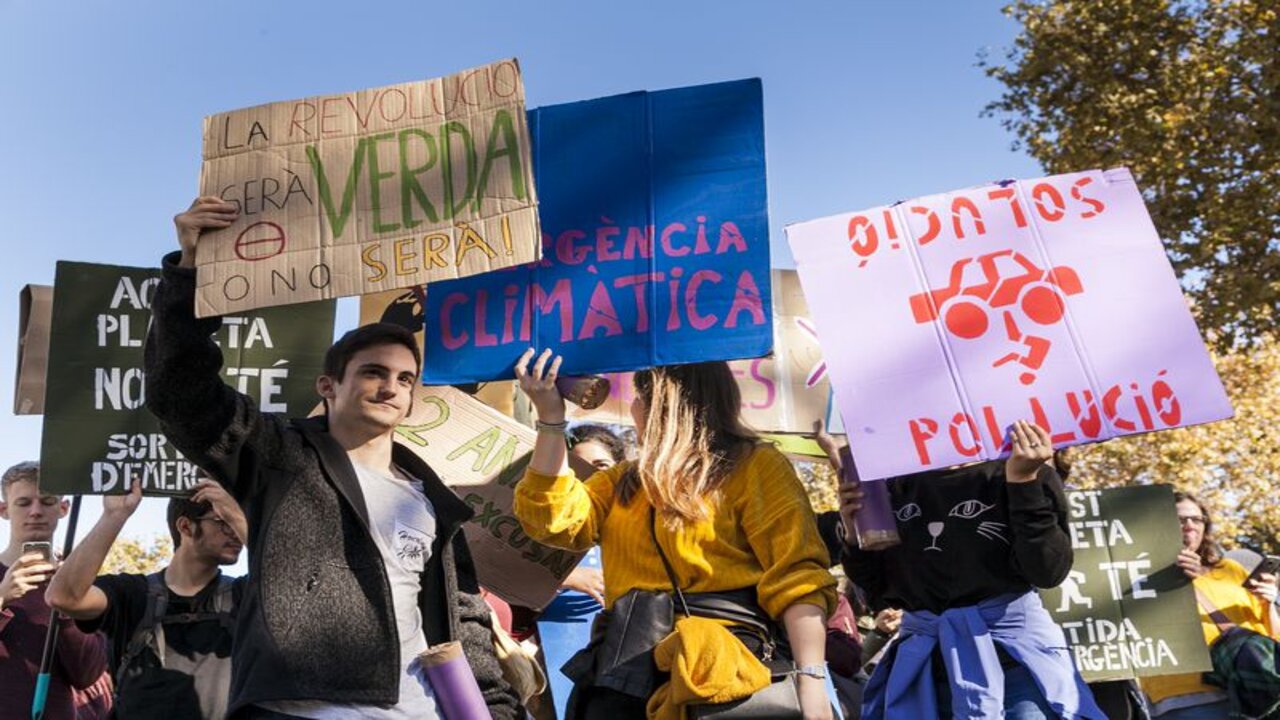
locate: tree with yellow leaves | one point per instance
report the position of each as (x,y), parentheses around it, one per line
(1233,465)
(1186,93)
(133,555)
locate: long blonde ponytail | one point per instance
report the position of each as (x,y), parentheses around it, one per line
(692,438)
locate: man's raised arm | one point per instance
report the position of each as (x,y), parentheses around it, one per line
(203,417)
(71,591)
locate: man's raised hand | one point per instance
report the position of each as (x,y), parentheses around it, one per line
(205,213)
(123,505)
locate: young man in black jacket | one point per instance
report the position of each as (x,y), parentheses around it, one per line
(357,560)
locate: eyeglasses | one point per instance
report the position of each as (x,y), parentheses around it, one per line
(218,522)
(1191,520)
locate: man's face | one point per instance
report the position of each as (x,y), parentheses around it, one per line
(32,516)
(376,389)
(212,538)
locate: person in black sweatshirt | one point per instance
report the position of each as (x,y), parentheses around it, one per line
(976,540)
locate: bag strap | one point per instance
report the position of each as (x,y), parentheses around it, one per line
(1224,624)
(149,626)
(671,574)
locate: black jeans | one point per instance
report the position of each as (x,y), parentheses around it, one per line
(597,703)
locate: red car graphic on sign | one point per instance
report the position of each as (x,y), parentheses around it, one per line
(1001,286)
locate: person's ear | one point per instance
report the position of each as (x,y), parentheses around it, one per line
(64,507)
(325,387)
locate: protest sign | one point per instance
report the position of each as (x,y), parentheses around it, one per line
(481,454)
(98,437)
(785,392)
(944,319)
(404,308)
(367,191)
(1126,608)
(655,243)
(35,307)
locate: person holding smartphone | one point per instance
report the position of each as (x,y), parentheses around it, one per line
(1246,600)
(26,564)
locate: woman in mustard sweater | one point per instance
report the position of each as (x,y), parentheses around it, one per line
(728,512)
(1221,582)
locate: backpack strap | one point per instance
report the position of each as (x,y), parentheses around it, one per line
(1224,624)
(219,607)
(146,631)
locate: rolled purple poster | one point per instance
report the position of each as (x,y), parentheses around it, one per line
(453,683)
(586,391)
(874,524)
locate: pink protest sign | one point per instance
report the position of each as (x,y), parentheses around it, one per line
(945,318)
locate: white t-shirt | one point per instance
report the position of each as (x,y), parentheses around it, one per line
(404,528)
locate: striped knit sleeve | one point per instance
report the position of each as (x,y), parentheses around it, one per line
(562,511)
(783,533)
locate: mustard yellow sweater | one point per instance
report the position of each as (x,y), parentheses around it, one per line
(762,534)
(1223,584)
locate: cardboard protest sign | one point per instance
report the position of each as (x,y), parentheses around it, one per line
(367,191)
(35,308)
(655,243)
(944,319)
(1126,609)
(98,436)
(785,392)
(481,454)
(404,308)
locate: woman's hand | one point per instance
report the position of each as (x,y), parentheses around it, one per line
(1031,449)
(827,443)
(1264,586)
(539,384)
(589,581)
(850,504)
(888,621)
(813,698)
(1189,562)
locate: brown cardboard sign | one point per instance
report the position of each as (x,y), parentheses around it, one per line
(368,191)
(35,315)
(481,454)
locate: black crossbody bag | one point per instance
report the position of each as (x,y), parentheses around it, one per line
(620,654)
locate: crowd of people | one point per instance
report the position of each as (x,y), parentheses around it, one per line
(718,592)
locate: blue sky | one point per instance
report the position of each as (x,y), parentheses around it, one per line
(101,104)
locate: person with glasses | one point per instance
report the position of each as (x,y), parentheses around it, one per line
(170,632)
(1222,582)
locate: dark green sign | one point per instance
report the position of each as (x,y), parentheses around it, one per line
(98,436)
(1126,608)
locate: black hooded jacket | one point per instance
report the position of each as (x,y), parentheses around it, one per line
(316,621)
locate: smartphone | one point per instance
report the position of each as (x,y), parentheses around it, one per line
(44,548)
(1270,564)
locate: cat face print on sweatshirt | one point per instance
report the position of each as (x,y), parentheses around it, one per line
(970,517)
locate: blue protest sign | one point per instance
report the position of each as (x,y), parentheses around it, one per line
(655,243)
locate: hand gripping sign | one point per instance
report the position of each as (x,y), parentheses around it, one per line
(368,191)
(945,318)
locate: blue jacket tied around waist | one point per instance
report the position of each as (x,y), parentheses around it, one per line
(902,685)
